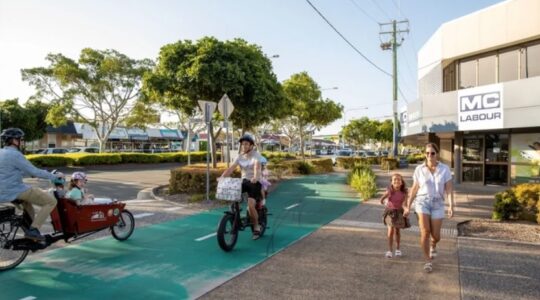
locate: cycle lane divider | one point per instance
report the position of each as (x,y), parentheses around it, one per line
(165,261)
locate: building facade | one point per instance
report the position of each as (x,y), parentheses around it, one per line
(479,94)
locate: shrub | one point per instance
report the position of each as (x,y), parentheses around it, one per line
(192,179)
(305,168)
(506,206)
(362,179)
(51,160)
(97,159)
(323,165)
(389,163)
(141,158)
(415,158)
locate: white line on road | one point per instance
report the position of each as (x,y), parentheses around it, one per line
(138,201)
(138,216)
(292,206)
(205,237)
(28,298)
(173,208)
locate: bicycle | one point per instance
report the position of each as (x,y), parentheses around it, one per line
(232,222)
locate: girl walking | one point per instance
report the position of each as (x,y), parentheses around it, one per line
(393,217)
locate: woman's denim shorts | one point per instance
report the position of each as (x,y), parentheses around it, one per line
(430,206)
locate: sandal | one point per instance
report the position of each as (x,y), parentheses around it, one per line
(256,235)
(428,267)
(398,253)
(388,254)
(432,252)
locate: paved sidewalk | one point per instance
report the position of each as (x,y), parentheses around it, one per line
(345,260)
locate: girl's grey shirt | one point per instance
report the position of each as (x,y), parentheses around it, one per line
(247,163)
(13,167)
(432,185)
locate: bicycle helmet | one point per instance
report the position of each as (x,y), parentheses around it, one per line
(11,133)
(78,176)
(247,138)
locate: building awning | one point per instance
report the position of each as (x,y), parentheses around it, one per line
(137,134)
(172,134)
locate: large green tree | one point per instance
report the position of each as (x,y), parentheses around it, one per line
(30,118)
(360,131)
(205,70)
(308,110)
(101,88)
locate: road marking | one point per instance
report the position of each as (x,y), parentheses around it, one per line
(28,298)
(138,216)
(292,206)
(138,201)
(205,237)
(173,208)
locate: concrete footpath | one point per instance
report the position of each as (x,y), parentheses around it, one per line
(345,260)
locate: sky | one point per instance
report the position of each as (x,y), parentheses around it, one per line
(291,29)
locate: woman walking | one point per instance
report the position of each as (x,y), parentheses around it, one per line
(432,181)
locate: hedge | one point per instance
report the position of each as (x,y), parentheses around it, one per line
(363,180)
(52,160)
(350,162)
(388,163)
(521,202)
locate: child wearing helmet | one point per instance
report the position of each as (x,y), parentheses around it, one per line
(77,191)
(58,190)
(265,183)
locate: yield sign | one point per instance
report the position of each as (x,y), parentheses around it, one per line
(208,108)
(225,106)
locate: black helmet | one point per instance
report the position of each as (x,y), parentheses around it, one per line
(11,133)
(247,138)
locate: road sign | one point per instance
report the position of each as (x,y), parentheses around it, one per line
(225,106)
(208,108)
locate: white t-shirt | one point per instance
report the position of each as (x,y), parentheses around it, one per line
(247,163)
(432,184)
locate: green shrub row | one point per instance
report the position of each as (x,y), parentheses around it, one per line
(61,160)
(363,180)
(350,162)
(388,163)
(283,155)
(521,202)
(415,158)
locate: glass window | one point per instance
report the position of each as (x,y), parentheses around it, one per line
(486,70)
(496,148)
(449,75)
(472,149)
(508,65)
(533,60)
(467,74)
(496,174)
(472,173)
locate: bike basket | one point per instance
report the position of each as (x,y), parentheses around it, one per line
(229,189)
(6,212)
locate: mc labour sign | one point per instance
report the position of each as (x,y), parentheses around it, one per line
(480,108)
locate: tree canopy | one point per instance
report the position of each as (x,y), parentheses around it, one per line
(101,88)
(30,118)
(308,110)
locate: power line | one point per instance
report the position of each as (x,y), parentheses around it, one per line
(347,41)
(380,8)
(364,12)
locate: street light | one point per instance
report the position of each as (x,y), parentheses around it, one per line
(331,88)
(275,56)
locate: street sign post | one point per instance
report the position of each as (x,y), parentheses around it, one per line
(208,108)
(226,108)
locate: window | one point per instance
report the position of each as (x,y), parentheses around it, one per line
(533,60)
(449,78)
(508,65)
(467,74)
(486,70)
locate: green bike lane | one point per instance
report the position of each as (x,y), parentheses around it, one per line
(181,258)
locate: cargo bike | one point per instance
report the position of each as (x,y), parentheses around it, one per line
(70,222)
(232,222)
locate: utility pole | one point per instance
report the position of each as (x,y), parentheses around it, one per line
(393,45)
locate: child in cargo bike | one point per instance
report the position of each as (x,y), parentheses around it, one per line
(77,191)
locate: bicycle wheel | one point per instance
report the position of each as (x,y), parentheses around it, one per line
(10,258)
(227,233)
(125,226)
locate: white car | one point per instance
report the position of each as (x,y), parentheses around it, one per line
(83,150)
(52,151)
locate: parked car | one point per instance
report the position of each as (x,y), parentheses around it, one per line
(52,151)
(83,149)
(370,154)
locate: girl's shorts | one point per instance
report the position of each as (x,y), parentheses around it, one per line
(430,206)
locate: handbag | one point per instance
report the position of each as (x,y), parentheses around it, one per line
(229,189)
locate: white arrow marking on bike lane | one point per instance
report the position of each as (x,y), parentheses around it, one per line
(292,206)
(205,237)
(28,298)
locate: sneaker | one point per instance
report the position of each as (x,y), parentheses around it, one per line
(34,234)
(432,252)
(398,253)
(388,254)
(428,267)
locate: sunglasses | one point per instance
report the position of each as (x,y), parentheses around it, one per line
(431,153)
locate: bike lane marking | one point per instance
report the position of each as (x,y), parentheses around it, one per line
(142,215)
(28,298)
(162,260)
(292,206)
(206,237)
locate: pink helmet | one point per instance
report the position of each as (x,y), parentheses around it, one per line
(78,176)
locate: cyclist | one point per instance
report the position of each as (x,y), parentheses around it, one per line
(250,165)
(13,165)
